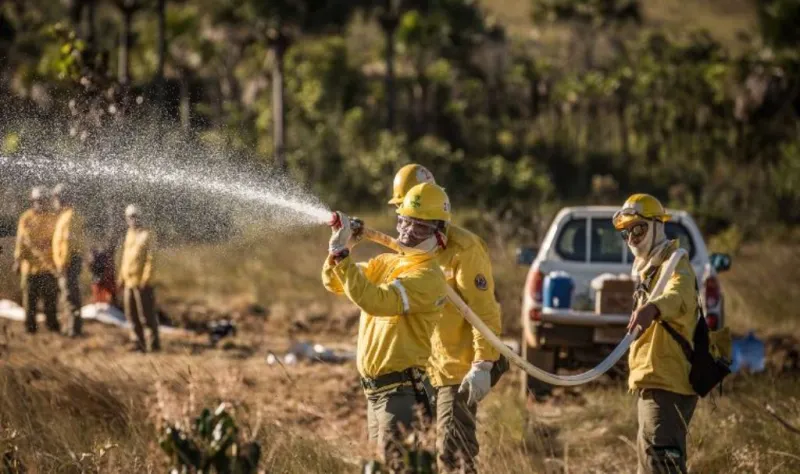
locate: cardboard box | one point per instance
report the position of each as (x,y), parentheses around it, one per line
(615,297)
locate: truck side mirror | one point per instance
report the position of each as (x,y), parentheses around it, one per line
(526,255)
(720,261)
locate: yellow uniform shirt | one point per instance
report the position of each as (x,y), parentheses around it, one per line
(137,258)
(656,360)
(456,344)
(68,238)
(401,299)
(34,247)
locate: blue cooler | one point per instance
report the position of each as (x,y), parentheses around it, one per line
(557,291)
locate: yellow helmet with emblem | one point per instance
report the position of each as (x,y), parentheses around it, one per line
(408,177)
(426,201)
(640,207)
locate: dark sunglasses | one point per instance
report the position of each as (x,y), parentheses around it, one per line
(636,230)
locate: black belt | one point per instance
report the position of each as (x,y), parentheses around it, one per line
(413,376)
(370,384)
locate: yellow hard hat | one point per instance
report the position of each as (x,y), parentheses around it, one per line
(638,207)
(408,177)
(426,201)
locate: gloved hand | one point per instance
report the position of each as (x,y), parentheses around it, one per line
(341,235)
(478,381)
(16,267)
(357,232)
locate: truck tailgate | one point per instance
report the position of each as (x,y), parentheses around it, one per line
(583,318)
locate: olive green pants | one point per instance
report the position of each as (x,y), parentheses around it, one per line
(44,287)
(390,419)
(456,438)
(140,304)
(663,423)
(70,295)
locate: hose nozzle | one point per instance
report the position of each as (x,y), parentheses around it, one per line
(336,221)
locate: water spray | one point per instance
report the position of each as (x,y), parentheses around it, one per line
(486,332)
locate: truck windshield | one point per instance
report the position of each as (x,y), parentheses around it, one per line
(607,245)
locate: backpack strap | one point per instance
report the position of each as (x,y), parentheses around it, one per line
(687,348)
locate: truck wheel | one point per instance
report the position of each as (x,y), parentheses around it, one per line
(545,359)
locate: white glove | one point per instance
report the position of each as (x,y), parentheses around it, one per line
(341,235)
(478,381)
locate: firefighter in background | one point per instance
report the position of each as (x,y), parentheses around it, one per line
(33,261)
(135,278)
(68,250)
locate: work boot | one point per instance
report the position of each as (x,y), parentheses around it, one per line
(138,348)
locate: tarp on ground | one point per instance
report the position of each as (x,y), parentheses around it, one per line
(100,312)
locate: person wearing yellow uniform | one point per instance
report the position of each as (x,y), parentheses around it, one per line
(659,369)
(401,296)
(68,249)
(135,277)
(33,260)
(461,359)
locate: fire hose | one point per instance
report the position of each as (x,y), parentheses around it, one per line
(489,335)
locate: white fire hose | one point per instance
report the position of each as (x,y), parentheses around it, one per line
(532,370)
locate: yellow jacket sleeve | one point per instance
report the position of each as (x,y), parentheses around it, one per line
(476,286)
(421,290)
(147,270)
(20,249)
(329,279)
(376,300)
(61,238)
(679,295)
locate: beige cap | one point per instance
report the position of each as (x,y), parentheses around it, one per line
(38,193)
(132,210)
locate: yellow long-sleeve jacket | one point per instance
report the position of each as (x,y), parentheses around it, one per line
(456,344)
(68,238)
(137,258)
(401,299)
(656,360)
(34,246)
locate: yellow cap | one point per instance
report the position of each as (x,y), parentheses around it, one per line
(408,177)
(426,201)
(640,207)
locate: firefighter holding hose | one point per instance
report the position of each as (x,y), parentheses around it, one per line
(135,277)
(659,369)
(462,359)
(401,296)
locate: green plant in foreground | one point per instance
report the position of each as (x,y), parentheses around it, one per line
(212,445)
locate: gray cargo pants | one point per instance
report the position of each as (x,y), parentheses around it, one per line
(456,437)
(140,304)
(70,295)
(663,423)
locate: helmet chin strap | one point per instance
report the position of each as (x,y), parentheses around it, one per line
(426,246)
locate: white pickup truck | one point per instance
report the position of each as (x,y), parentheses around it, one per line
(582,242)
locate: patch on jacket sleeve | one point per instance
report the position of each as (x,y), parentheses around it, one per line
(480,282)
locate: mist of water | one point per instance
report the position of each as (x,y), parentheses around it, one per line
(288,204)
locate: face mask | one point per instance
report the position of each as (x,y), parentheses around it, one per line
(411,232)
(653,237)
